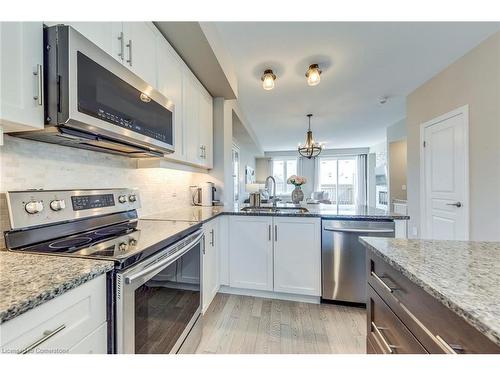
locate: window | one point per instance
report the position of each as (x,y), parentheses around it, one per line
(282,169)
(337,177)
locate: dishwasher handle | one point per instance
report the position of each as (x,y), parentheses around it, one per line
(359,230)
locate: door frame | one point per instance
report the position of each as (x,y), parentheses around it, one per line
(463,110)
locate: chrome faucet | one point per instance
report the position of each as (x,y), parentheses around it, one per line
(274,199)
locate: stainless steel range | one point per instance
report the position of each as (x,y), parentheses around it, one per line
(154,294)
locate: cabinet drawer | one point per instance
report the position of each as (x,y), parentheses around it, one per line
(95,343)
(67,319)
(439,329)
(386,331)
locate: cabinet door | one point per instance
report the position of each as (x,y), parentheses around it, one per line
(251,253)
(206,128)
(297,255)
(169,69)
(106,35)
(140,50)
(210,266)
(21,59)
(190,106)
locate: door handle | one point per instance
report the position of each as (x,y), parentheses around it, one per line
(39,77)
(269,232)
(46,335)
(129,45)
(456,204)
(384,341)
(212,242)
(357,230)
(122,42)
(275,233)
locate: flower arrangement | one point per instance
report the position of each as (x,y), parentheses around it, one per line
(296,180)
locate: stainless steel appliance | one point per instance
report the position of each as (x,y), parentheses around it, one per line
(154,291)
(92,101)
(343,257)
(203,195)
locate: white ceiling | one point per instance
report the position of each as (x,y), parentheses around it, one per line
(360,61)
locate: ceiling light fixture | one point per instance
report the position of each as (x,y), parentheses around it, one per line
(310,149)
(313,75)
(268,79)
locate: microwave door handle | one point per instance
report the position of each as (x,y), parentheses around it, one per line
(130,279)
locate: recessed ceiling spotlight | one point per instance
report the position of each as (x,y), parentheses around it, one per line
(268,79)
(313,75)
(383,100)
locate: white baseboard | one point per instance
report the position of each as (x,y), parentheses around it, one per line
(267,294)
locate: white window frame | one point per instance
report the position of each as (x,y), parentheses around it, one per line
(337,158)
(284,158)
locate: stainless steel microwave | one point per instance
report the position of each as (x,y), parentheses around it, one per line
(94,102)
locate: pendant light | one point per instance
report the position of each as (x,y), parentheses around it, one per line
(313,75)
(310,149)
(268,79)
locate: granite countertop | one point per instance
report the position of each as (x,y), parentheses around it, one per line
(463,275)
(326,211)
(27,281)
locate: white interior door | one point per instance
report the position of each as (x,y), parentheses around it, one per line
(445,199)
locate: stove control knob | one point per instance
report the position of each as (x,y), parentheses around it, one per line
(122,199)
(57,205)
(34,207)
(122,246)
(132,198)
(132,242)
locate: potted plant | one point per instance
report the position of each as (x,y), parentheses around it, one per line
(297,193)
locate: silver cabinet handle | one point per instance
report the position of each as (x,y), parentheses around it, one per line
(201,152)
(213,237)
(129,45)
(122,42)
(269,232)
(46,335)
(445,346)
(203,245)
(388,346)
(386,287)
(275,233)
(456,204)
(357,230)
(39,75)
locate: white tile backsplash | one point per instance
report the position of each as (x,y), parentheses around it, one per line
(28,164)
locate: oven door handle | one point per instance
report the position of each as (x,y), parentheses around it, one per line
(130,279)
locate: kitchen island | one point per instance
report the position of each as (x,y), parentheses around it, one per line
(442,296)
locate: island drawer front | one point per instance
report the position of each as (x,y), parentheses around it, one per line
(58,324)
(438,328)
(386,331)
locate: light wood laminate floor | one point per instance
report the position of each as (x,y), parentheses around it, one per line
(251,325)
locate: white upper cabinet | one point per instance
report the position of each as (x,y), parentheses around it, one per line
(297,255)
(191,109)
(21,67)
(140,50)
(169,69)
(106,35)
(206,130)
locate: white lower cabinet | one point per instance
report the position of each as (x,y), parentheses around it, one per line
(74,322)
(280,254)
(210,284)
(297,255)
(251,253)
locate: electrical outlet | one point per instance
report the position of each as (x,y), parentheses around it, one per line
(403,187)
(174,195)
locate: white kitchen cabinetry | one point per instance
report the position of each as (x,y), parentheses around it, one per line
(206,129)
(210,273)
(191,111)
(21,88)
(297,255)
(251,253)
(169,70)
(280,254)
(140,50)
(74,322)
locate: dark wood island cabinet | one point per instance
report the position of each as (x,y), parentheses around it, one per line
(403,318)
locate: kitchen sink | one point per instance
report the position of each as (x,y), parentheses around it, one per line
(276,210)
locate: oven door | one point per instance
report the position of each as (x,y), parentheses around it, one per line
(159,300)
(90,91)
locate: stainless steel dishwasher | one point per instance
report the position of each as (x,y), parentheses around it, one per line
(343,269)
